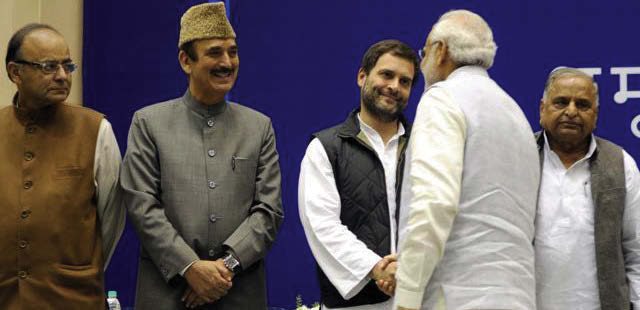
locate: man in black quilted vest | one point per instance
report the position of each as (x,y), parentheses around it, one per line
(349,178)
(588,220)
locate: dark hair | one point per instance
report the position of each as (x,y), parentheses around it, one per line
(396,48)
(190,50)
(15,43)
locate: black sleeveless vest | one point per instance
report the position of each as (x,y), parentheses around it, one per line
(360,181)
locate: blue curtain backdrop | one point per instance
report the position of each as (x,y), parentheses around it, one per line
(299,61)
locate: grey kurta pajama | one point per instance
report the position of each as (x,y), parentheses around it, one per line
(198,180)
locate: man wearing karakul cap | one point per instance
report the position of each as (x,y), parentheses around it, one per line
(201,181)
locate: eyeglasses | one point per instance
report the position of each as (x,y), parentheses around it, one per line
(50,67)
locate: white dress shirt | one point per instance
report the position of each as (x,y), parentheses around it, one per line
(344,259)
(431,191)
(106,168)
(566,270)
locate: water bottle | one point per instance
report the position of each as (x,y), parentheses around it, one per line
(112,300)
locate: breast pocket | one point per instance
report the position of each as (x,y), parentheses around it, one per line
(69,172)
(244,171)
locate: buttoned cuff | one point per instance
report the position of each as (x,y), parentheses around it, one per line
(407,298)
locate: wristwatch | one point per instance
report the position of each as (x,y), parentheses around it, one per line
(231,263)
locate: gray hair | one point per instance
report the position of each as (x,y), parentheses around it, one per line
(564,71)
(468,37)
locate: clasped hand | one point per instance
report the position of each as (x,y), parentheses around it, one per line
(384,273)
(208,282)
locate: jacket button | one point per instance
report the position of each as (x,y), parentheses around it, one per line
(22,274)
(23,244)
(28,184)
(213,218)
(28,156)
(25,214)
(212,184)
(211,153)
(210,122)
(212,253)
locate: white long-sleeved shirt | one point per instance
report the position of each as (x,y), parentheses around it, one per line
(566,270)
(430,193)
(344,259)
(106,168)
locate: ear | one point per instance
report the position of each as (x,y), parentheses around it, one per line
(362,77)
(441,52)
(13,70)
(541,111)
(185,62)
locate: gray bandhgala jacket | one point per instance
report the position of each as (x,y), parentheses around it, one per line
(199,181)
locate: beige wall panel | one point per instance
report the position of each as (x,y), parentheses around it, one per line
(66,16)
(6,26)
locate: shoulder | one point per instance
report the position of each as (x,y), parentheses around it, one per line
(328,132)
(81,111)
(608,145)
(247,114)
(159,109)
(608,151)
(6,110)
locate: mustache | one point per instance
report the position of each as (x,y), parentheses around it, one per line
(381,92)
(224,70)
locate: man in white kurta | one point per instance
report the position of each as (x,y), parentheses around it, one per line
(576,266)
(470,188)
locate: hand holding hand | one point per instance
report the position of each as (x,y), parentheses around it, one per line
(388,283)
(210,280)
(379,271)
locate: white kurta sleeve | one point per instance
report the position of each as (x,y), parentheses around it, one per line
(433,176)
(111,211)
(631,229)
(344,259)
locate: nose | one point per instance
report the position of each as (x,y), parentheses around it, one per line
(571,109)
(61,74)
(393,85)
(225,60)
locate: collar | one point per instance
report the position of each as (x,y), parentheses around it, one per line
(372,132)
(202,109)
(469,70)
(40,116)
(351,126)
(544,143)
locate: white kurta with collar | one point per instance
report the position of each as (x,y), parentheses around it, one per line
(566,270)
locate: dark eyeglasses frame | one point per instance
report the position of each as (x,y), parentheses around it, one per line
(50,67)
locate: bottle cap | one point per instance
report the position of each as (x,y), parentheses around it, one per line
(112,294)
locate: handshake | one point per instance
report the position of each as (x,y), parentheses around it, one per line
(384,273)
(208,282)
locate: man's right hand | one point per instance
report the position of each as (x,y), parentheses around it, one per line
(380,271)
(209,279)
